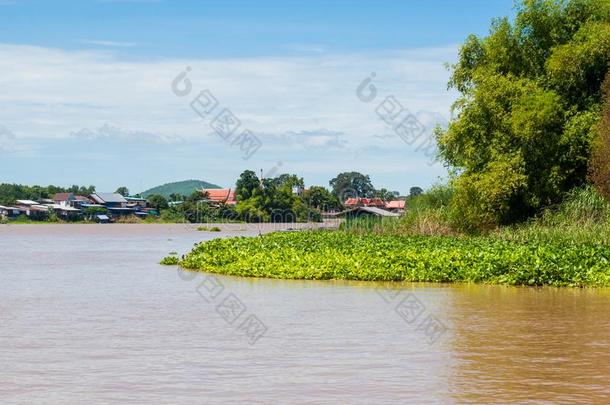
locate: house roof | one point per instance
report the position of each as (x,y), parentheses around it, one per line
(63,196)
(135,199)
(81,198)
(27,202)
(63,208)
(220,194)
(108,198)
(396,204)
(375,202)
(375,211)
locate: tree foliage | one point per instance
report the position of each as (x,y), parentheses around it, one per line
(320,198)
(600,160)
(530,101)
(272,199)
(245,186)
(386,194)
(11,192)
(415,191)
(124,191)
(157,202)
(352,184)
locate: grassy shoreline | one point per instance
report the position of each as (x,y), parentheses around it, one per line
(325,255)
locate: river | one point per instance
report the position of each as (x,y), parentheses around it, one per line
(88,316)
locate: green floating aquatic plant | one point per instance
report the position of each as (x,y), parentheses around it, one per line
(339,255)
(170,261)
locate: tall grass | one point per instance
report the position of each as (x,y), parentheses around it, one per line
(429,213)
(583,217)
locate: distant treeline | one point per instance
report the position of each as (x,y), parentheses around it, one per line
(11,192)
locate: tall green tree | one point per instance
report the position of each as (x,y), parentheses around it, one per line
(124,191)
(415,191)
(246,185)
(530,100)
(320,198)
(352,184)
(157,202)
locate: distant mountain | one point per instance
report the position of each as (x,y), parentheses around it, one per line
(185,187)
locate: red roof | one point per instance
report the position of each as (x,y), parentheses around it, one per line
(351,201)
(397,204)
(366,202)
(62,196)
(221,195)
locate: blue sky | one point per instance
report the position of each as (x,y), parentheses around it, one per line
(87,87)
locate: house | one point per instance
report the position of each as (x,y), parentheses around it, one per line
(108,200)
(63,199)
(395,206)
(115,203)
(220,196)
(364,202)
(135,201)
(8,212)
(91,211)
(65,211)
(79,201)
(32,209)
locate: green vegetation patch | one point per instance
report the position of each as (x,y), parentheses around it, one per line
(209,229)
(170,260)
(337,255)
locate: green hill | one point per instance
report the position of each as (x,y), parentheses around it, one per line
(185,187)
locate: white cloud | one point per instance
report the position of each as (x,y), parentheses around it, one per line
(305,103)
(108,132)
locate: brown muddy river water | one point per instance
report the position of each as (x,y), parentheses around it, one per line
(88,316)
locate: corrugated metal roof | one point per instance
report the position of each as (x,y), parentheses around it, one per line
(108,198)
(27,202)
(63,207)
(375,211)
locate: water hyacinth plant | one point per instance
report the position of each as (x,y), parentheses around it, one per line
(338,255)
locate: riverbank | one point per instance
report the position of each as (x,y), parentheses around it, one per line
(327,255)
